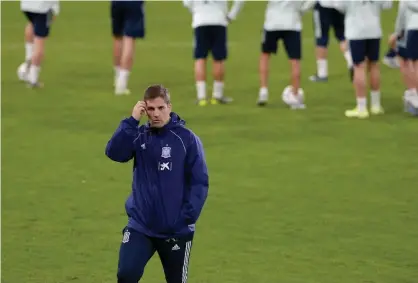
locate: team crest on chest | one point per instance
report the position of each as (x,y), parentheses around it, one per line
(166,152)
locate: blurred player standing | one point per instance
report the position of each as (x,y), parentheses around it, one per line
(398,43)
(40,15)
(391,58)
(395,57)
(128,25)
(325,17)
(210,21)
(411,7)
(283,21)
(363,30)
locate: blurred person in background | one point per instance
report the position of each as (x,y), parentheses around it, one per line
(40,15)
(209,21)
(363,31)
(128,25)
(411,26)
(325,17)
(283,21)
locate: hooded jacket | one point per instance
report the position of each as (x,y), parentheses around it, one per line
(170,177)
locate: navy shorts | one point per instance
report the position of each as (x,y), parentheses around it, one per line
(403,53)
(401,46)
(324,18)
(363,49)
(137,249)
(291,40)
(412,44)
(210,39)
(128,18)
(41,22)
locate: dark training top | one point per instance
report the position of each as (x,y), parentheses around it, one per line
(170,176)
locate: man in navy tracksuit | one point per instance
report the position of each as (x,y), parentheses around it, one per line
(169,188)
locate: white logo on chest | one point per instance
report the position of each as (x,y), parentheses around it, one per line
(165,166)
(166,152)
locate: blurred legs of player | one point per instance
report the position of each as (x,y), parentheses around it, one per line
(324,18)
(200,78)
(411,95)
(390,59)
(123,55)
(23,69)
(214,39)
(36,33)
(127,27)
(218,84)
(322,62)
(117,55)
(365,54)
(397,44)
(263,67)
(292,44)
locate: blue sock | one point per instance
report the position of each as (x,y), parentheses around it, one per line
(391,53)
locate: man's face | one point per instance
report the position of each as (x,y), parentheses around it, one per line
(158,112)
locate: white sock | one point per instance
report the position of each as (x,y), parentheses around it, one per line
(116,75)
(263,94)
(362,103)
(348,59)
(412,92)
(201,90)
(322,68)
(34,74)
(122,80)
(218,89)
(117,70)
(375,97)
(28,51)
(26,65)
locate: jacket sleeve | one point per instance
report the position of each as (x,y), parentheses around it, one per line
(386,5)
(56,7)
(307,5)
(400,19)
(412,5)
(341,6)
(236,7)
(188,4)
(327,3)
(120,147)
(197,180)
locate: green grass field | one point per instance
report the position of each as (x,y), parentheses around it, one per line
(295,196)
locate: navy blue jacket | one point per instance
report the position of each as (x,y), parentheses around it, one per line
(170,176)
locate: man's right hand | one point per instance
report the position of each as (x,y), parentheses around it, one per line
(139,110)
